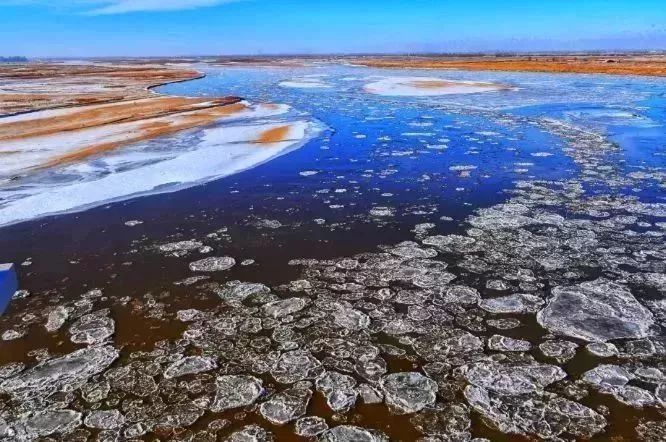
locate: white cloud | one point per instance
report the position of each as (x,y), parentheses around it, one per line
(108,7)
(125,6)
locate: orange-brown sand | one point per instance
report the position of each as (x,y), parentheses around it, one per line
(100,97)
(274,135)
(616,65)
(150,129)
(431,84)
(33,86)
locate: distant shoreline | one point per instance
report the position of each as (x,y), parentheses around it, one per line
(654,66)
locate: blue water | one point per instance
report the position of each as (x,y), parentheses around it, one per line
(498,133)
(405,154)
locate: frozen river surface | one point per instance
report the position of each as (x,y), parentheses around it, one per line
(436,256)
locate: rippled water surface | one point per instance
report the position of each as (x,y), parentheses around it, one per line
(527,303)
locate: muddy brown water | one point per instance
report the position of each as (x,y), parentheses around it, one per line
(69,258)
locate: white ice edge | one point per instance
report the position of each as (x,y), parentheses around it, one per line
(223,151)
(36,151)
(304,84)
(401,87)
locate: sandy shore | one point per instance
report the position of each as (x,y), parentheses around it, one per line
(66,113)
(34,86)
(615,65)
(86,121)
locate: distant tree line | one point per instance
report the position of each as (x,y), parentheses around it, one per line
(14,59)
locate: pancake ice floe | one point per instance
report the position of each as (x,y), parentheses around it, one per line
(428,86)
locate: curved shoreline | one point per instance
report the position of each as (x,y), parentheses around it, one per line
(74,136)
(149,88)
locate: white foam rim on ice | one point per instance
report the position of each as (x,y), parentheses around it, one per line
(222,151)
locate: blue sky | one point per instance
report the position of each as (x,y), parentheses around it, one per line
(76,28)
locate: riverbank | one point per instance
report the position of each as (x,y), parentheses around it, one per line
(612,65)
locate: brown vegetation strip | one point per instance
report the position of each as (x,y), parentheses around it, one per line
(123,112)
(101,96)
(65,85)
(624,65)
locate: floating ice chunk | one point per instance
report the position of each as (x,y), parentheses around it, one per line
(304,83)
(349,318)
(382,211)
(505,343)
(408,392)
(613,379)
(92,328)
(296,365)
(651,431)
(596,311)
(602,349)
(547,416)
(370,394)
(188,315)
(12,335)
(350,433)
(370,369)
(284,307)
(517,303)
(237,291)
(251,433)
(512,379)
(68,372)
(462,168)
(104,420)
(180,246)
(412,250)
(267,224)
(235,391)
(339,390)
(458,294)
(48,422)
(634,396)
(56,319)
(310,426)
(428,86)
(213,264)
(286,406)
(607,377)
(562,351)
(190,365)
